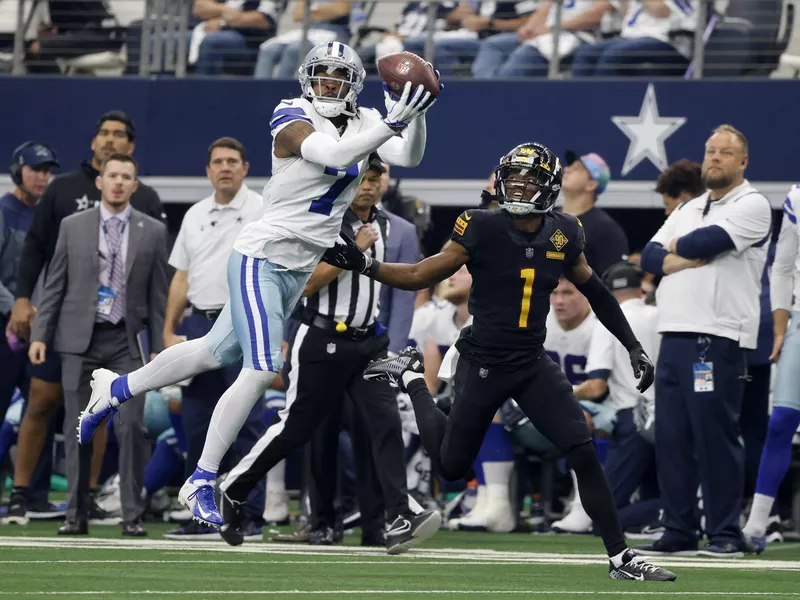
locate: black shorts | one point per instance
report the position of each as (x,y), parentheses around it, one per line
(542,391)
(49,370)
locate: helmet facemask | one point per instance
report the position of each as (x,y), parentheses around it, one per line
(523,190)
(347,84)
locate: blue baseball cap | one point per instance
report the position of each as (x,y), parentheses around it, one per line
(35,154)
(597,167)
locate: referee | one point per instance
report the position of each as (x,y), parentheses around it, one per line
(711,251)
(335,338)
(200,257)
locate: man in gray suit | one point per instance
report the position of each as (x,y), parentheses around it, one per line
(106,283)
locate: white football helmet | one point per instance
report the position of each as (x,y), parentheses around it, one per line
(318,66)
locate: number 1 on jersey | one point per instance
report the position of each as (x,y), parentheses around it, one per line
(324,204)
(528,275)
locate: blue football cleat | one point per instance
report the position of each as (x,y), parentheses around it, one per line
(198,496)
(101,404)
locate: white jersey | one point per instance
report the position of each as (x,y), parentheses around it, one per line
(608,355)
(787,257)
(435,320)
(570,349)
(304,202)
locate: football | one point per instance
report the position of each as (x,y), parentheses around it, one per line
(398,68)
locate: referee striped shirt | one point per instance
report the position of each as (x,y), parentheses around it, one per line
(352,298)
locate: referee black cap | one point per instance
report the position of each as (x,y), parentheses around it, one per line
(622,275)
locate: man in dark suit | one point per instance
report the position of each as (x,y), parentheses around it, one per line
(106,283)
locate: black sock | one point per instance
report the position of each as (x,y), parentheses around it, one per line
(596,497)
(430,420)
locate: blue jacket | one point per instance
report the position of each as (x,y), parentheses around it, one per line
(15,218)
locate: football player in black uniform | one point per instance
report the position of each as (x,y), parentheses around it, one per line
(516,256)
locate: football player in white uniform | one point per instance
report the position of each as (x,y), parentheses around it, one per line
(321,142)
(785,418)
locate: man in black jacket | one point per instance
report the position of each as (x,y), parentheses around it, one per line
(67,194)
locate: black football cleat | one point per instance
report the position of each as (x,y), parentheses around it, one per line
(391,369)
(636,568)
(409,530)
(233,515)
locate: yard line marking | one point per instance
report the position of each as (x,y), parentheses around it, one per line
(206,593)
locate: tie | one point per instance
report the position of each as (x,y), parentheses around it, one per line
(117,269)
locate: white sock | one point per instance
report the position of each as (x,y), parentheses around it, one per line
(617,559)
(174,364)
(276,478)
(410,376)
(498,478)
(230,414)
(759,516)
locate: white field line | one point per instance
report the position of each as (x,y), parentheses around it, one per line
(487,593)
(365,556)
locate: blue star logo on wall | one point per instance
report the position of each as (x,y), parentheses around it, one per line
(647,133)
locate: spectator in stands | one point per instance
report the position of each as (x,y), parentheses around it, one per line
(705,333)
(527,51)
(411,31)
(67,194)
(92,312)
(77,27)
(228,38)
(453,49)
(200,257)
(679,182)
(585,178)
(656,40)
(329,22)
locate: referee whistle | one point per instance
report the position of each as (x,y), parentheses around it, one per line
(341,327)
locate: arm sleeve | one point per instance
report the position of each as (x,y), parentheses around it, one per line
(407,149)
(179,258)
(705,242)
(157,302)
(608,311)
(750,221)
(6,297)
(402,302)
(324,150)
(653,258)
(35,249)
(464,232)
(600,361)
(55,287)
(782,276)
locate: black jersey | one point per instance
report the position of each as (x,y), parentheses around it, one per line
(513,274)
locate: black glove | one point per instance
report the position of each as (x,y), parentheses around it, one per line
(643,368)
(346,255)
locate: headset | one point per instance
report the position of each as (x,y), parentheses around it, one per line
(16,169)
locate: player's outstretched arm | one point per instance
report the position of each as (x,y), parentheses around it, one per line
(407,149)
(346,255)
(609,313)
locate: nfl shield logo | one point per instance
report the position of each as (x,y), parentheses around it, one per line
(529,252)
(482,373)
(331,348)
(404,67)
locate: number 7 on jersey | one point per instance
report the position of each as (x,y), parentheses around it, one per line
(324,204)
(527,275)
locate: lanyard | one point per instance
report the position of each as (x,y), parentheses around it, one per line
(115,251)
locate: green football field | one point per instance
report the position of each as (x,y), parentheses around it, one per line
(35,563)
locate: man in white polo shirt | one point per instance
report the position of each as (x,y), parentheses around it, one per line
(200,255)
(711,251)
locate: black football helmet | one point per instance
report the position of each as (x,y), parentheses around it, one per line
(528,180)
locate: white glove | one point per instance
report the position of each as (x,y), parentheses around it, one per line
(399,113)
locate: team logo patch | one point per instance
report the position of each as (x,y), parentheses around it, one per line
(483,373)
(404,67)
(555,255)
(528,252)
(460,226)
(559,239)
(331,348)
